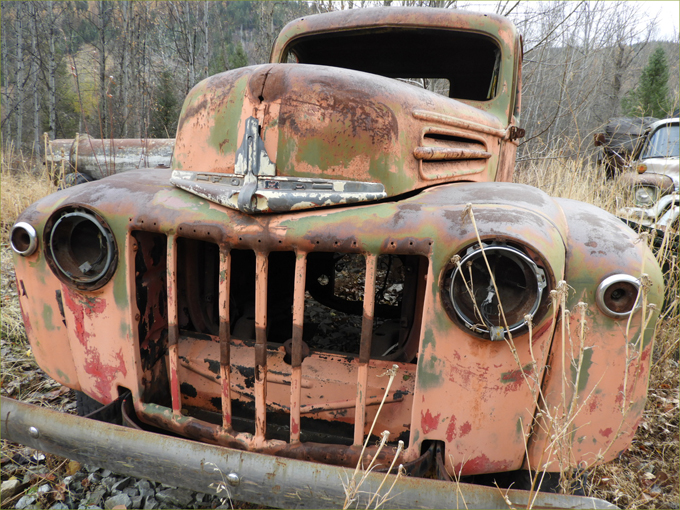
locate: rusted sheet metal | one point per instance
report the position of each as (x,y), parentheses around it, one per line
(445,154)
(365,140)
(600,384)
(99,158)
(259,479)
(469,420)
(57,151)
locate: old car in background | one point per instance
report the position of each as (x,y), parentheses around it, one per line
(620,143)
(337,251)
(654,181)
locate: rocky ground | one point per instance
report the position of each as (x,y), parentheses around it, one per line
(32,483)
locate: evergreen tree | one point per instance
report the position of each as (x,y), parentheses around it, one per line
(165,108)
(237,56)
(650,98)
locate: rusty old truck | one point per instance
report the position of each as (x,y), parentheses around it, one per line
(336,251)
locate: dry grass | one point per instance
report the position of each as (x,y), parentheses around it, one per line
(23,182)
(577,180)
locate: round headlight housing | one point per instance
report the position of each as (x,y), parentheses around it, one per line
(519,289)
(646,196)
(616,296)
(24,239)
(80,248)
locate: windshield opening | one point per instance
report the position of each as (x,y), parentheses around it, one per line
(462,65)
(664,143)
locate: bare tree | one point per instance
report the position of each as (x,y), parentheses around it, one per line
(34,77)
(52,69)
(18,26)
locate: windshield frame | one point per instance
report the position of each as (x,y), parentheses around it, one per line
(660,140)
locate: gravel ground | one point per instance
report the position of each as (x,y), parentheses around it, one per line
(90,487)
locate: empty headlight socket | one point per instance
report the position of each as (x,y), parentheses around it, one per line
(80,248)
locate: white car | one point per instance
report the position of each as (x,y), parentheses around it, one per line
(655,185)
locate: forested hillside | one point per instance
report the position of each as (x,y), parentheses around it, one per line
(122,68)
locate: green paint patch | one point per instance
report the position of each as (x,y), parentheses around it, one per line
(430,367)
(585,367)
(63,377)
(224,133)
(47,317)
(125,331)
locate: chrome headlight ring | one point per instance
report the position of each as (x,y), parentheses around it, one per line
(24,239)
(617,296)
(80,248)
(519,282)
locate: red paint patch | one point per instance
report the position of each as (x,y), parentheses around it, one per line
(645,353)
(513,380)
(103,374)
(619,395)
(593,404)
(80,307)
(428,423)
(606,432)
(461,375)
(295,427)
(451,429)
(24,317)
(465,429)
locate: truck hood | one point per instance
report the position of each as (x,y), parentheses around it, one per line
(282,137)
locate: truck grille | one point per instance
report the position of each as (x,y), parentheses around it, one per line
(243,320)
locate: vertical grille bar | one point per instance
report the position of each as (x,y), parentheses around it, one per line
(365,349)
(173,328)
(225,338)
(261,269)
(296,355)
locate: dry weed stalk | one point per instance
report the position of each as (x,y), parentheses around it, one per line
(353,485)
(456,480)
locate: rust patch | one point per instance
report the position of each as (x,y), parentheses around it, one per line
(27,322)
(191,111)
(89,306)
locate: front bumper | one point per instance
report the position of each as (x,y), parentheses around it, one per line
(252,477)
